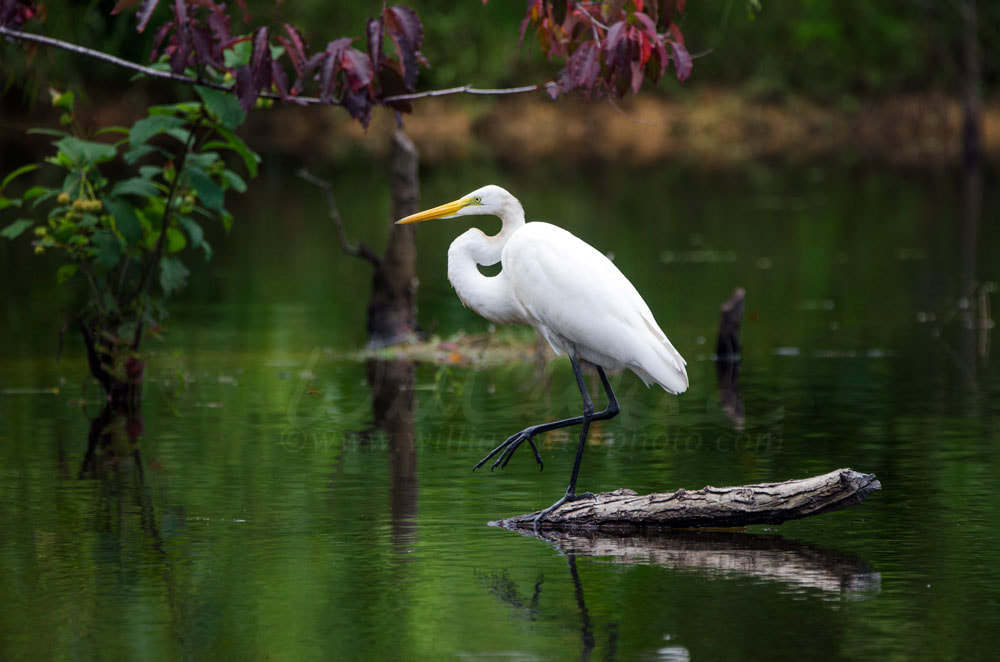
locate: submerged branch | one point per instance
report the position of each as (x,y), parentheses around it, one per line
(359,249)
(764,503)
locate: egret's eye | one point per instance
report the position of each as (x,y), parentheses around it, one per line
(479,199)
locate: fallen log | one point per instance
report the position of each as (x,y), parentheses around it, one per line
(717,507)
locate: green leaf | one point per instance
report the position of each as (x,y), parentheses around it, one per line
(146,128)
(7,202)
(34,192)
(62,100)
(238,55)
(140,151)
(45,196)
(175,240)
(107,249)
(222,105)
(17,173)
(13,230)
(125,220)
(196,234)
(135,186)
(235,143)
(112,129)
(149,171)
(235,181)
(173,275)
(182,108)
(65,272)
(180,135)
(210,193)
(85,153)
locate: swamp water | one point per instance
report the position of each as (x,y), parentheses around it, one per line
(289,501)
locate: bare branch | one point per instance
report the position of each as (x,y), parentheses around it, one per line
(360,249)
(178,78)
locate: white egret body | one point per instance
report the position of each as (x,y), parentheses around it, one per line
(574,295)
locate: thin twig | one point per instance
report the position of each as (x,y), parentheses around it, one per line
(614,105)
(168,212)
(179,78)
(360,249)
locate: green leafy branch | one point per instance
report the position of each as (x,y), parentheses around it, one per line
(117,234)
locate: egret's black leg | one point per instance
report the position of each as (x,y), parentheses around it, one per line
(507,448)
(588,416)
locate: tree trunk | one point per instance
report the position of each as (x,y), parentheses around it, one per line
(392,311)
(765,503)
(972,100)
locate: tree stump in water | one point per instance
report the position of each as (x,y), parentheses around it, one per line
(764,503)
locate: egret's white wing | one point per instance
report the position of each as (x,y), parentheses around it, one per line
(580,300)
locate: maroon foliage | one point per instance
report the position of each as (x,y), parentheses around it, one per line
(14,13)
(609,46)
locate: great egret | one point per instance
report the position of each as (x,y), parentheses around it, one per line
(574,295)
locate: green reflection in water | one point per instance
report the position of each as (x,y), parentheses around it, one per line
(275,514)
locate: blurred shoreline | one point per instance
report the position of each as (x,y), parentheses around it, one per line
(713,129)
(708,128)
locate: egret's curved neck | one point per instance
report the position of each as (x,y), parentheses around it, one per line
(490,296)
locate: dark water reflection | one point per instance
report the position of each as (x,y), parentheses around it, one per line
(282,500)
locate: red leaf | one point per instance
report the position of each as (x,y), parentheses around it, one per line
(613,43)
(636,76)
(245,90)
(327,79)
(391,82)
(647,23)
(145,13)
(406,32)
(202,40)
(218,21)
(682,61)
(337,46)
(660,55)
(645,48)
(584,65)
(260,60)
(161,34)
(180,9)
(280,80)
(299,45)
(675,33)
(358,67)
(374,31)
(359,105)
(404,22)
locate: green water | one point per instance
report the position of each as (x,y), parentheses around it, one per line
(285,502)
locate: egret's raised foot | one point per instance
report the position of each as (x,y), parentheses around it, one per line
(507,448)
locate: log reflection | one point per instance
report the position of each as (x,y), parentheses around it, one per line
(731,554)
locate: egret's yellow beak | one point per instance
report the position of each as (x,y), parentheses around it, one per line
(442,211)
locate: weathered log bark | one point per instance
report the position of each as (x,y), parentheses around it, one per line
(765,503)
